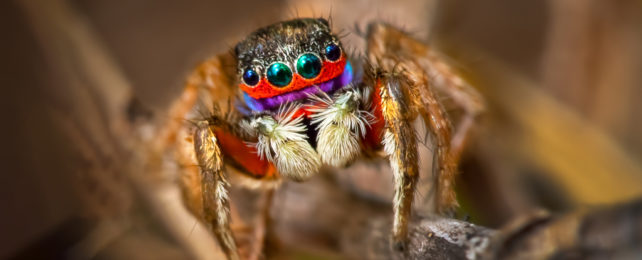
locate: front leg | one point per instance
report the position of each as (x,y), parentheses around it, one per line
(400,144)
(216,204)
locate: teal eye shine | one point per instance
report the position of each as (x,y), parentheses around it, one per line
(308,65)
(279,74)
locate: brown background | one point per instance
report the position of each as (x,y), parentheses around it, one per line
(586,57)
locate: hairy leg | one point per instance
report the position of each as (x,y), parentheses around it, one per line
(395,50)
(210,81)
(445,79)
(400,145)
(437,121)
(199,148)
(214,186)
(215,136)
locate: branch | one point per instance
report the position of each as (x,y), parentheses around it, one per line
(323,214)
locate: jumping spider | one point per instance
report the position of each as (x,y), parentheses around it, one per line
(294,104)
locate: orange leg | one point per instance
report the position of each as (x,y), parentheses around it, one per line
(214,142)
(395,52)
(204,148)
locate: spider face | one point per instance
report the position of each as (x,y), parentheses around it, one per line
(288,61)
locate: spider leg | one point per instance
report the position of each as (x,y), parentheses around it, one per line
(204,188)
(217,143)
(400,145)
(209,77)
(214,186)
(386,40)
(395,50)
(261,225)
(437,122)
(446,80)
(200,147)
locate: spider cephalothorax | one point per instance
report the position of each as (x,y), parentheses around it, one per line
(288,61)
(299,106)
(295,67)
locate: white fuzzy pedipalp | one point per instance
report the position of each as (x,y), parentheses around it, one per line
(283,142)
(337,145)
(297,160)
(340,122)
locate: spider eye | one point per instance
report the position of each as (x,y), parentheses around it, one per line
(332,52)
(279,74)
(308,65)
(250,77)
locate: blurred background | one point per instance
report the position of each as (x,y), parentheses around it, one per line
(561,78)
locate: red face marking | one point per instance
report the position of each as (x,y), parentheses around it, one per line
(264,89)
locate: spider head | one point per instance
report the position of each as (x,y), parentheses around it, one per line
(282,60)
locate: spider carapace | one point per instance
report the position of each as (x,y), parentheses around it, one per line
(294,102)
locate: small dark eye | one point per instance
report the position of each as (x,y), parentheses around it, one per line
(279,74)
(250,77)
(332,52)
(308,66)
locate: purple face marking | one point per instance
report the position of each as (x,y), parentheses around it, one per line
(328,87)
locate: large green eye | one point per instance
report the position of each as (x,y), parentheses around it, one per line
(279,74)
(308,66)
